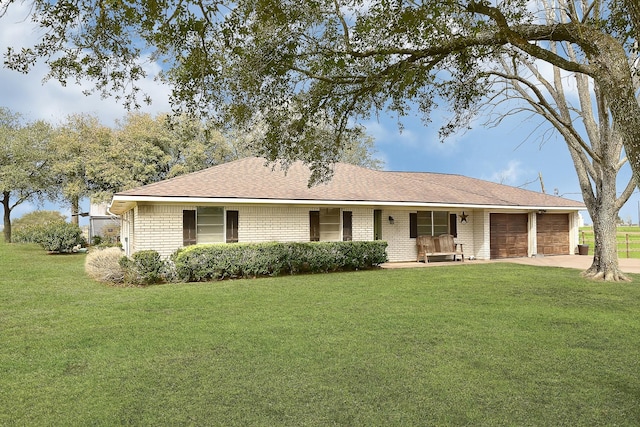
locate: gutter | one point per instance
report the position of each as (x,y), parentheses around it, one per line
(297,202)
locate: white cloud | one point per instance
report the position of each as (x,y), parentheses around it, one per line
(386,135)
(415,135)
(28,95)
(512,174)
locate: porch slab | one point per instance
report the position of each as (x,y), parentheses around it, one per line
(580,262)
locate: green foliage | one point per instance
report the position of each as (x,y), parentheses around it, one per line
(27,234)
(82,145)
(144,268)
(214,262)
(25,163)
(294,65)
(37,218)
(56,236)
(59,237)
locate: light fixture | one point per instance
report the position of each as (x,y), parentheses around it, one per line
(463,218)
(391,220)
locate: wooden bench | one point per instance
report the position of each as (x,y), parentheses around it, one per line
(429,246)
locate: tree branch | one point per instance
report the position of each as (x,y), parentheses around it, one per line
(520,35)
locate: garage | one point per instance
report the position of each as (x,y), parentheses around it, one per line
(552,234)
(509,235)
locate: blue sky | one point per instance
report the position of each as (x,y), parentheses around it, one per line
(512,153)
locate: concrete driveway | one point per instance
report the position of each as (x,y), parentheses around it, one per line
(580,262)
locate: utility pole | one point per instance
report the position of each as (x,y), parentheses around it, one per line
(541,182)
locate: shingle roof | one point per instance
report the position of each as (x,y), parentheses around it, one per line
(252,178)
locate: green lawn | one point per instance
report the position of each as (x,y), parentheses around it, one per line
(473,344)
(628,239)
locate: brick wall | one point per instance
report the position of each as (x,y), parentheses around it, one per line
(159,227)
(481,235)
(466,233)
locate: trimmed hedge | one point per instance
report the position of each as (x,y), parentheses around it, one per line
(221,261)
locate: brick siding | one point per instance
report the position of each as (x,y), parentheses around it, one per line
(159,227)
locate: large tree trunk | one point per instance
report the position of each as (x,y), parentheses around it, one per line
(605,260)
(7,217)
(613,76)
(75,211)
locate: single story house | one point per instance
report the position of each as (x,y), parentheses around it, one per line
(249,200)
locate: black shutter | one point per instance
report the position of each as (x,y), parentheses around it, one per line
(413,225)
(314,226)
(347,221)
(377,224)
(232,226)
(189,228)
(453,225)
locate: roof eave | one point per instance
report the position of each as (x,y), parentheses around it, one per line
(123,203)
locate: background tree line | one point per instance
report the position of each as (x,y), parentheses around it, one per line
(82,158)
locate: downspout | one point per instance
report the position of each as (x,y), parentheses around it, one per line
(127,251)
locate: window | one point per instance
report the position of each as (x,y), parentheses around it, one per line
(347,226)
(425,223)
(440,223)
(429,223)
(324,225)
(204,225)
(210,225)
(330,224)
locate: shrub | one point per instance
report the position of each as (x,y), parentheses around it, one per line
(57,237)
(30,227)
(104,265)
(27,234)
(37,218)
(214,262)
(144,268)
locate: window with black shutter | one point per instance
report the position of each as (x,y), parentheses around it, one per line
(432,223)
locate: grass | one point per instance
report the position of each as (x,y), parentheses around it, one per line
(483,344)
(624,234)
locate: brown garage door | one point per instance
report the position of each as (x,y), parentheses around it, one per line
(553,234)
(509,235)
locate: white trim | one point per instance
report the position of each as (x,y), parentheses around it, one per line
(296,202)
